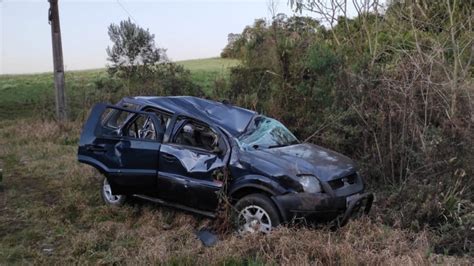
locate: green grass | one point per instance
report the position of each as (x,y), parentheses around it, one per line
(205,71)
(214,65)
(24,95)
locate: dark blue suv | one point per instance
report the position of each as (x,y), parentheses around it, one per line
(184,151)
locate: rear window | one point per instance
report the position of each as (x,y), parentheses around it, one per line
(114,118)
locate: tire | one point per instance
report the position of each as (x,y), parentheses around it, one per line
(108,197)
(256,213)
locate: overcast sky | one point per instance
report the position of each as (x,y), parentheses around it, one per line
(187,29)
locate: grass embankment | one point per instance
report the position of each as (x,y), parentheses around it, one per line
(51,211)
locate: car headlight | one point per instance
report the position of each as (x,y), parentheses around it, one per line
(310,184)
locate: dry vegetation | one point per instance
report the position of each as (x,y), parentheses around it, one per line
(51,212)
(392,90)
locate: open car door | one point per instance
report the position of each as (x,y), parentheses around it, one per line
(124,145)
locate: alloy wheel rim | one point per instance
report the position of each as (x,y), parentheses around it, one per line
(108,193)
(253,219)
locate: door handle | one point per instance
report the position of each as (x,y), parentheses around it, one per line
(168,157)
(95,148)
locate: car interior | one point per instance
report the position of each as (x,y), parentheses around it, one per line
(141,128)
(187,132)
(196,135)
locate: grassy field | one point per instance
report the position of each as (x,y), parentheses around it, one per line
(209,65)
(206,71)
(51,211)
(21,95)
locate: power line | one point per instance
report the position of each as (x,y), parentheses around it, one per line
(126,11)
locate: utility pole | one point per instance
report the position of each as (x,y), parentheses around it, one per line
(53,17)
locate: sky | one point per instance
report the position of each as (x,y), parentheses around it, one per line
(187,29)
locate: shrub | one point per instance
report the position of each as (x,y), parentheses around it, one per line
(391,91)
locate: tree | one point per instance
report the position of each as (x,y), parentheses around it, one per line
(231,50)
(133,49)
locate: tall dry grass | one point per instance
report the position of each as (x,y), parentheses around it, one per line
(50,212)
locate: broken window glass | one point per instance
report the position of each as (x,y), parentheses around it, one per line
(114,118)
(266,133)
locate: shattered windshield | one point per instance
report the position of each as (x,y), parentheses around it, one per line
(266,133)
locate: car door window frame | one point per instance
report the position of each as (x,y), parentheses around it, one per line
(174,132)
(126,127)
(128,120)
(162,112)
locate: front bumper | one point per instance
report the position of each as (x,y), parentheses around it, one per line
(321,207)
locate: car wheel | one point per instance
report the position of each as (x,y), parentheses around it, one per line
(256,213)
(108,197)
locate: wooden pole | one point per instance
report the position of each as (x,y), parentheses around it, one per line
(61,108)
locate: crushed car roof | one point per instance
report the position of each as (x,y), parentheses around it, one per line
(231,118)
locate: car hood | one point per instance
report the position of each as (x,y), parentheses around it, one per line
(302,159)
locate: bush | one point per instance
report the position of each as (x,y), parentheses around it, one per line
(163,79)
(387,90)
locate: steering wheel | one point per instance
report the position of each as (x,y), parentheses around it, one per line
(148,130)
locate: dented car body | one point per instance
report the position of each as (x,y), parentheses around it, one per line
(184,151)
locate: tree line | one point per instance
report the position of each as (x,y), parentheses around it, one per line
(391,86)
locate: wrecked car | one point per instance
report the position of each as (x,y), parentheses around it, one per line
(185,152)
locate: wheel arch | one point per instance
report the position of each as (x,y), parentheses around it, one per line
(243,191)
(246,184)
(257,185)
(94,163)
